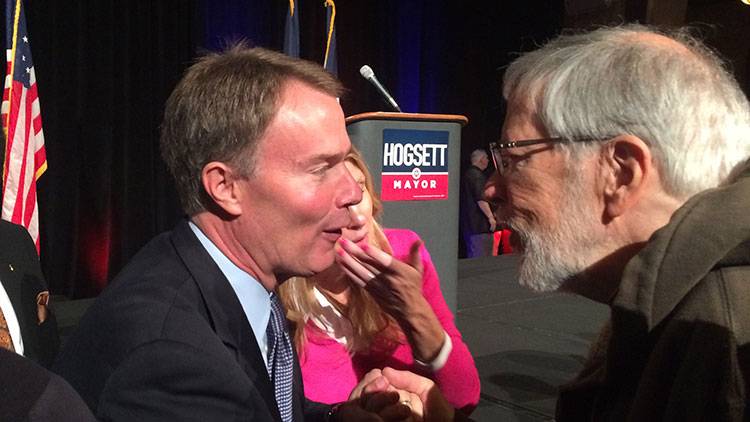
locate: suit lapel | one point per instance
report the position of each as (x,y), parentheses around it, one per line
(11,275)
(224,311)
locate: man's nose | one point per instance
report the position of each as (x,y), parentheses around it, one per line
(351,193)
(357,219)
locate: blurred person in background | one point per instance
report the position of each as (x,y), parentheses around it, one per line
(477,219)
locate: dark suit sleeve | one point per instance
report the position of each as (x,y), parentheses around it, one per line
(168,380)
(28,392)
(315,411)
(60,403)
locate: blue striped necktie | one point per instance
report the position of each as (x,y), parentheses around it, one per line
(280,358)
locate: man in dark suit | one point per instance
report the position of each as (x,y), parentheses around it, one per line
(477,219)
(190,329)
(32,328)
(28,392)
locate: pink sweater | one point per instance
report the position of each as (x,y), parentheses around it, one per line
(329,373)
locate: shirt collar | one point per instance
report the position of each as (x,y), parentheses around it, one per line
(253,297)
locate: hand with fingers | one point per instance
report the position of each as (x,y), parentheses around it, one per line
(397,287)
(435,408)
(375,395)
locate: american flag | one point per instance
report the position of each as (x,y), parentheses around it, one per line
(25,160)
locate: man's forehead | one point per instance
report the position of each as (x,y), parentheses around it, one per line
(308,127)
(521,122)
(301,106)
(299,102)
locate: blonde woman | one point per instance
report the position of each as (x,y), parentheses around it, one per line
(344,326)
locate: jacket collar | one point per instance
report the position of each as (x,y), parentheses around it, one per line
(710,230)
(224,310)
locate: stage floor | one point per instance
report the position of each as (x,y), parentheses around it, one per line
(525,344)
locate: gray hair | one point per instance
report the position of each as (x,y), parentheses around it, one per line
(678,98)
(477,154)
(221,109)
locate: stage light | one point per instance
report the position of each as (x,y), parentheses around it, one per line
(747,2)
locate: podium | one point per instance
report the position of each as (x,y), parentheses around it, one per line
(416,164)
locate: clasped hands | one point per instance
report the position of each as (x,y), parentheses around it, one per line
(392,395)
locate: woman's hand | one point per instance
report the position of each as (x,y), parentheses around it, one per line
(374,393)
(397,287)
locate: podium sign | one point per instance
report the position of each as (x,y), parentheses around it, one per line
(415,165)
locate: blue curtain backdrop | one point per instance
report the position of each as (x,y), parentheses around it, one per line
(434,56)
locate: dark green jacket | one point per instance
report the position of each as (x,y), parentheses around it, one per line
(677,346)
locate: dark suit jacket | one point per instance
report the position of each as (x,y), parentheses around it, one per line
(168,340)
(22,279)
(473,220)
(30,393)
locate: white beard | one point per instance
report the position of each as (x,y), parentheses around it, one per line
(552,255)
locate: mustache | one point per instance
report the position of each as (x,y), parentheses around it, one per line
(517,226)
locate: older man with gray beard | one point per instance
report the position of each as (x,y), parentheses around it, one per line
(615,172)
(623,172)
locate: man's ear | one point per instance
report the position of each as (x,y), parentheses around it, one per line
(628,167)
(221,184)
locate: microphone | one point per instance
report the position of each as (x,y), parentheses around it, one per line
(367,73)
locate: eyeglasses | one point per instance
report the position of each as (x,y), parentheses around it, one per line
(506,164)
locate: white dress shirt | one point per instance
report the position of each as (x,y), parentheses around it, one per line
(10,317)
